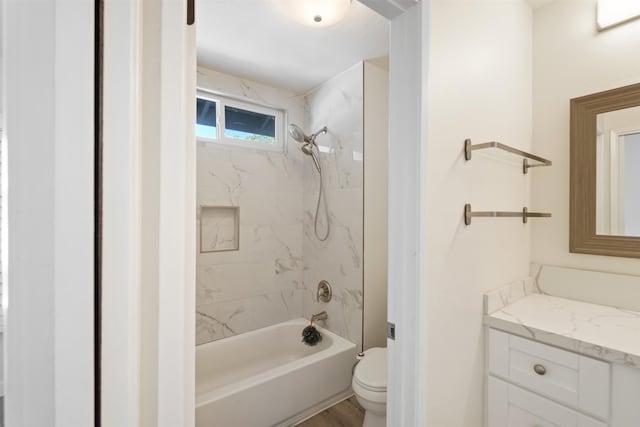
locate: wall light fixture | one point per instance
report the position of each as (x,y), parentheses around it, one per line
(614,12)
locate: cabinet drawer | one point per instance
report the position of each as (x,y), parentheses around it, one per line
(512,406)
(568,378)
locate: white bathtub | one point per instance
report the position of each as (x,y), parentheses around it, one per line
(268,377)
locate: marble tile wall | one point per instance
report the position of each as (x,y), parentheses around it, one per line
(274,274)
(261,283)
(337,104)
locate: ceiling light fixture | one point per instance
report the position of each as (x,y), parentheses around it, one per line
(614,12)
(318,13)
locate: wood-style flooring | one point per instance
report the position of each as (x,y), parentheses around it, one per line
(344,414)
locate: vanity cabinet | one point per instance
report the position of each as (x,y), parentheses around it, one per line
(531,384)
(513,406)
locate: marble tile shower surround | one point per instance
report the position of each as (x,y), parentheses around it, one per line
(273,276)
(337,104)
(261,283)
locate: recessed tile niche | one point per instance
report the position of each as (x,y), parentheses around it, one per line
(219,228)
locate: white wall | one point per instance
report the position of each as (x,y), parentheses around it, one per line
(261,283)
(376,202)
(572,59)
(479,87)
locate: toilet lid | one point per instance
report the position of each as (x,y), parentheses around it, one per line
(371,371)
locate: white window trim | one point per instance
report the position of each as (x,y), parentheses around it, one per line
(222,101)
(210,97)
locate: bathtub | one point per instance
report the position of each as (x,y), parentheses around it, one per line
(268,377)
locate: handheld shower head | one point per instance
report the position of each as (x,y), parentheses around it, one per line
(298,134)
(308,150)
(308,141)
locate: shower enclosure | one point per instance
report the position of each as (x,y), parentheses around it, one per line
(298,212)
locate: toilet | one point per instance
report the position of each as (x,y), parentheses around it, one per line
(370,386)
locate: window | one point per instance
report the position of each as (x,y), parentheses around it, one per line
(238,123)
(206,118)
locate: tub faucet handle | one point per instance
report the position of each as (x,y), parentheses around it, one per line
(324,292)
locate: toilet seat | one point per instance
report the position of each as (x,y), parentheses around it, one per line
(370,375)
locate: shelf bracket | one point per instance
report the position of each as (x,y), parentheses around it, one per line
(469,148)
(524,214)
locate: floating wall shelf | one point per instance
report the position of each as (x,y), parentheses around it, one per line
(469,148)
(524,214)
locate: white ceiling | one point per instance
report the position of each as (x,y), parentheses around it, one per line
(535,4)
(259,40)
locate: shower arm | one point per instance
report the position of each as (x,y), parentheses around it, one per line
(312,137)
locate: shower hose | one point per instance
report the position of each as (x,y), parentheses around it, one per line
(321,196)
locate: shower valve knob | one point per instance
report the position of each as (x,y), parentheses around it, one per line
(324,291)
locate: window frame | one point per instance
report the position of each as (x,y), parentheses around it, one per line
(222,102)
(212,98)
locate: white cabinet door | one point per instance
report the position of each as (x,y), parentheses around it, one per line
(512,406)
(577,381)
(625,396)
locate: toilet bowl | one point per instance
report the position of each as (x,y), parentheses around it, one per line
(370,386)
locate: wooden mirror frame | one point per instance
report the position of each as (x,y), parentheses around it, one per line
(582,213)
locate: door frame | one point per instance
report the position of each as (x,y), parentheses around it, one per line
(148,258)
(48,212)
(406,384)
(161,392)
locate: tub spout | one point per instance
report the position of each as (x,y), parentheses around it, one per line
(320,316)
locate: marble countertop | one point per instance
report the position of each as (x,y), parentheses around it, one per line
(598,331)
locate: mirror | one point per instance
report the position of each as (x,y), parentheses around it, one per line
(605,173)
(618,172)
